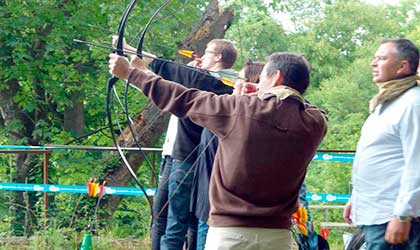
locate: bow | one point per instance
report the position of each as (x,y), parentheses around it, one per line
(224,78)
(111,87)
(127,85)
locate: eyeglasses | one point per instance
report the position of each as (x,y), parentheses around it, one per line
(210,52)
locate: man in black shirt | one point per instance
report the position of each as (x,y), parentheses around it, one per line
(218,57)
(173,196)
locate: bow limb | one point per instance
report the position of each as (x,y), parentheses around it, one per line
(146,27)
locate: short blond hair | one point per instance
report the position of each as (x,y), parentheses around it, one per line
(226,49)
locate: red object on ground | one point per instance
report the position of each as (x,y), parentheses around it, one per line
(324,233)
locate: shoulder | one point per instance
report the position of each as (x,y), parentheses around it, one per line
(408,101)
(316,116)
(407,106)
(411,96)
(230,72)
(315,110)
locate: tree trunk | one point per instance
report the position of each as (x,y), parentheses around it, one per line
(148,127)
(212,25)
(73,114)
(74,121)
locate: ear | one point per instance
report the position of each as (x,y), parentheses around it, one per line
(218,57)
(404,68)
(277,78)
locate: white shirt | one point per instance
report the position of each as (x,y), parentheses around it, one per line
(168,145)
(386,169)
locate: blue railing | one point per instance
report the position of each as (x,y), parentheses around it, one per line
(50,188)
(129,191)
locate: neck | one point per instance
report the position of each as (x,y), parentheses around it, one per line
(282,92)
(403,79)
(390,90)
(216,67)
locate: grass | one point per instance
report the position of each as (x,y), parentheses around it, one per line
(56,240)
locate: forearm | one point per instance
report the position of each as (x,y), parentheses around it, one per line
(168,96)
(409,195)
(204,108)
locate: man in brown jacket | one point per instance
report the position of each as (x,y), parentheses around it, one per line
(266,141)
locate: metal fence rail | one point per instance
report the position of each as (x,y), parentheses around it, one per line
(45,187)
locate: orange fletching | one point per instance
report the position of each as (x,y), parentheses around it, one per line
(186,53)
(301,217)
(227,82)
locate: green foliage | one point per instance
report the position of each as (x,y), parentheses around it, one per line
(131,211)
(335,177)
(59,238)
(345,99)
(38,54)
(54,237)
(268,37)
(414,35)
(330,42)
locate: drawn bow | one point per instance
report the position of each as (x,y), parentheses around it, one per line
(111,89)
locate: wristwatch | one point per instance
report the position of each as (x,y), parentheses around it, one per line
(403,219)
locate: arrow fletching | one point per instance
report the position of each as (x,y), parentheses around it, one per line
(186,53)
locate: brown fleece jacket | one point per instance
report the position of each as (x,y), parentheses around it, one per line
(264,149)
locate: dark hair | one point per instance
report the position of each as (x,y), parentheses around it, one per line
(407,50)
(294,68)
(252,71)
(226,49)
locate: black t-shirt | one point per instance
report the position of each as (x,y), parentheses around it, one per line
(188,135)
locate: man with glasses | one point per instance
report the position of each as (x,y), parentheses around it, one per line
(218,57)
(172,217)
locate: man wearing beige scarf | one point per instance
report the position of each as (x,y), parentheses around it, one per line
(266,142)
(386,172)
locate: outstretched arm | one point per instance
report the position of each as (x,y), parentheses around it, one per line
(245,88)
(204,108)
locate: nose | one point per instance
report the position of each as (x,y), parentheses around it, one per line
(202,58)
(373,63)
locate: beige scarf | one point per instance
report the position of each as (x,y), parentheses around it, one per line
(282,92)
(390,90)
